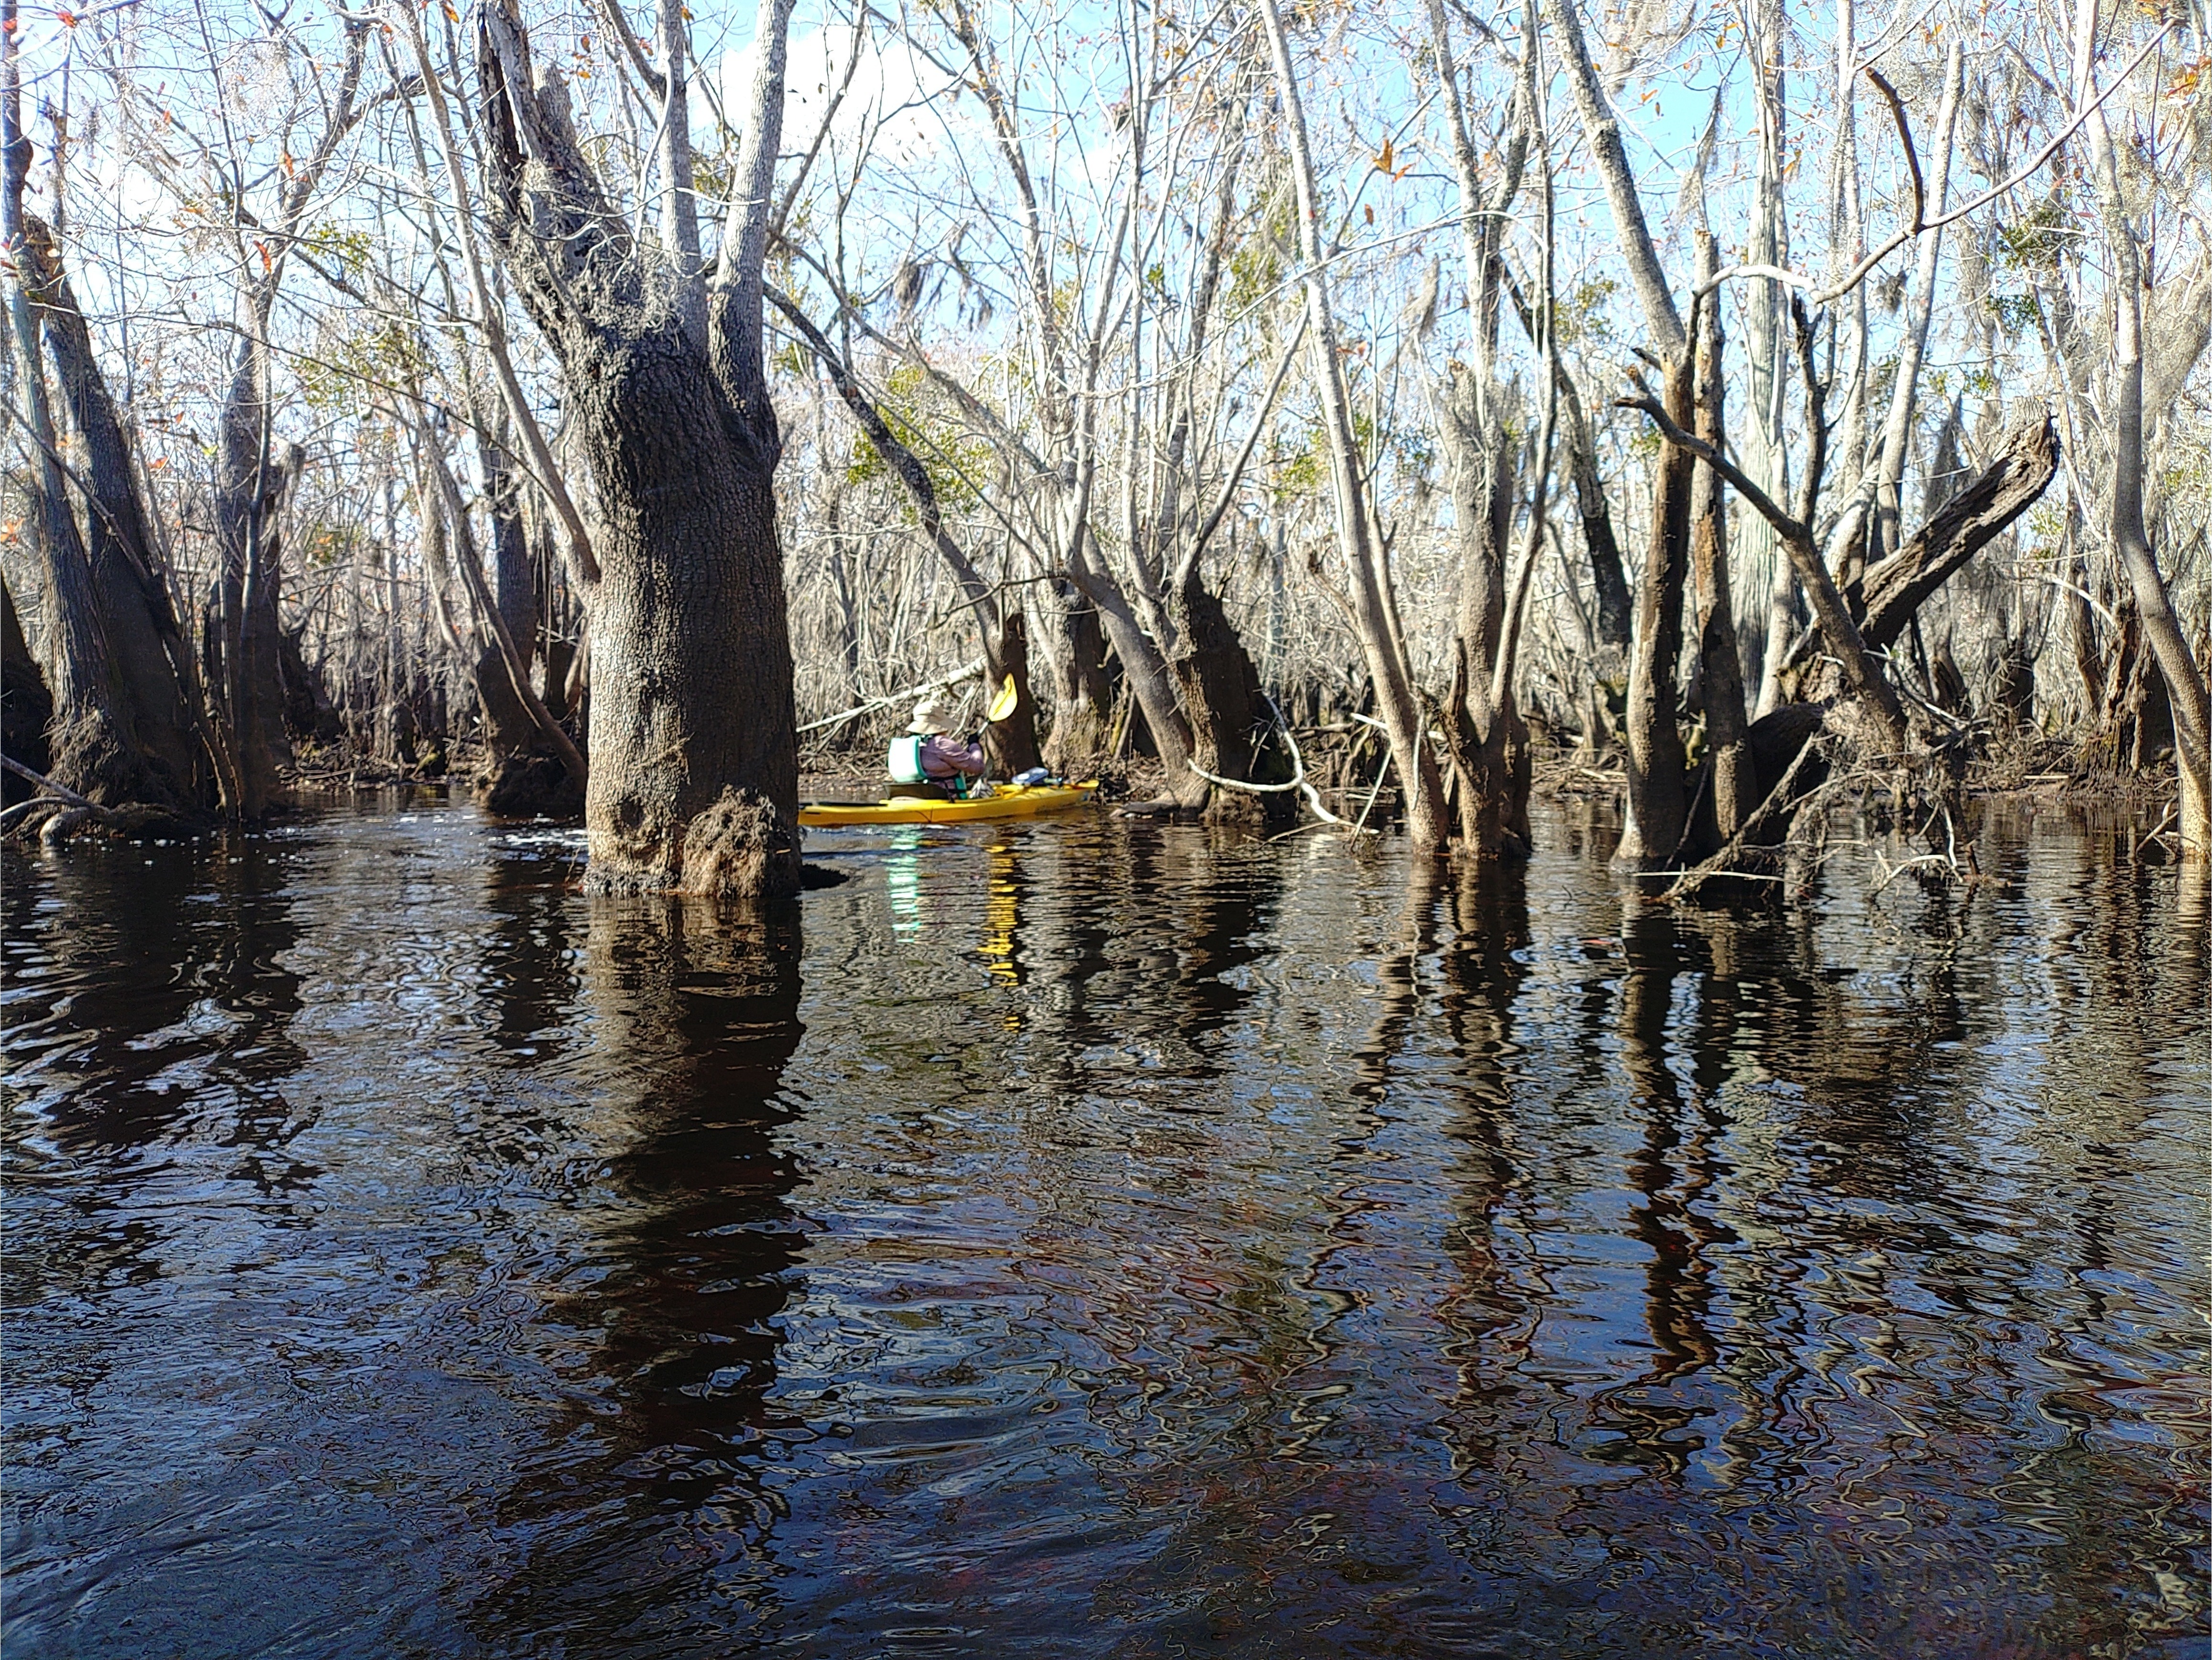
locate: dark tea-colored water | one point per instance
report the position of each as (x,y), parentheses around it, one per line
(1090,1239)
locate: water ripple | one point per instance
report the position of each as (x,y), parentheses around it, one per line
(1095,1238)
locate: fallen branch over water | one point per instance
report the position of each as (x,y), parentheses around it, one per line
(60,791)
(1298,782)
(1691,880)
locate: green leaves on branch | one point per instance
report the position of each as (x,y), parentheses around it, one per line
(957,463)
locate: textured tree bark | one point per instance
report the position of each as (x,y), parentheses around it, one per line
(309,712)
(1731,789)
(1860,669)
(1012,742)
(1489,743)
(1657,803)
(254,475)
(1082,690)
(1232,735)
(2089,655)
(1148,676)
(1602,128)
(1608,575)
(92,745)
(695,776)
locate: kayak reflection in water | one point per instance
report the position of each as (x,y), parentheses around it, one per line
(927,760)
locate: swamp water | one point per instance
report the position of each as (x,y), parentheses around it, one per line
(1093,1238)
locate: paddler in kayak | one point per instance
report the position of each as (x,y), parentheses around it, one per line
(925,759)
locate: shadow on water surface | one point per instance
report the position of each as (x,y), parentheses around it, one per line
(1097,1238)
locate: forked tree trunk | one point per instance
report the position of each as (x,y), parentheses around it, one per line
(1483,734)
(1886,597)
(695,775)
(1489,744)
(1150,681)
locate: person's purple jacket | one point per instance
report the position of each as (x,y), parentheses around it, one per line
(943,755)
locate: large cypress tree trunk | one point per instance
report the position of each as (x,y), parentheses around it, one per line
(149,661)
(1231,730)
(1012,741)
(92,746)
(694,759)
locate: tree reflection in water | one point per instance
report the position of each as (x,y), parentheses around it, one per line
(1150,1242)
(648,1507)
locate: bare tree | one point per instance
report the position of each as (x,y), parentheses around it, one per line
(694,774)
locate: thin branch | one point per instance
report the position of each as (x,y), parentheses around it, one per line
(1229,485)
(1857,274)
(1784,527)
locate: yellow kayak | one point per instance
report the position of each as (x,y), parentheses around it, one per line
(1006,801)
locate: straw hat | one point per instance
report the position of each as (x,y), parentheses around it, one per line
(930,715)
